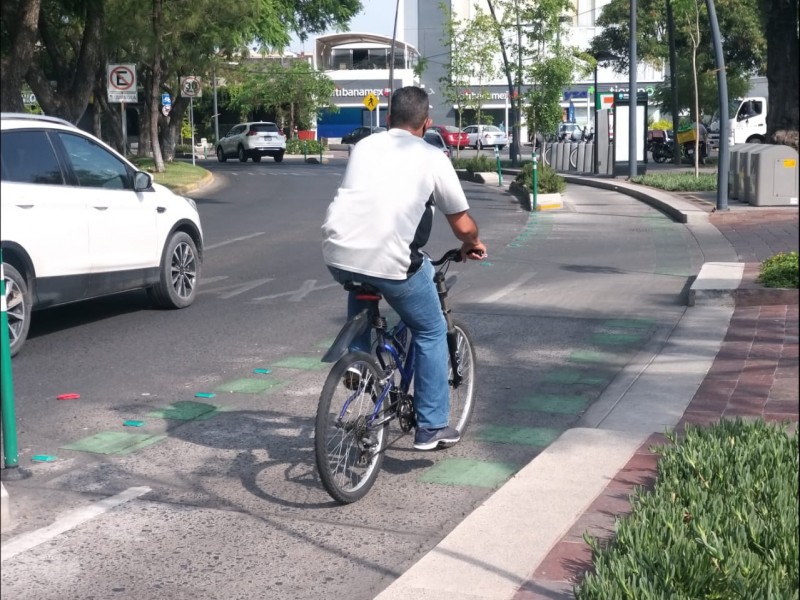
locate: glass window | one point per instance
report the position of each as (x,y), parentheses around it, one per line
(95,166)
(377,58)
(29,157)
(340,60)
(361,59)
(265,128)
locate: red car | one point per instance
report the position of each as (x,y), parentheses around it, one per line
(452,136)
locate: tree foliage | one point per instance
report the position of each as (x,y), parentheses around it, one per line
(61,48)
(293,92)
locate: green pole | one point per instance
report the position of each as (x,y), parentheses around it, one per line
(10,451)
(535,180)
(320,153)
(499,168)
(305,150)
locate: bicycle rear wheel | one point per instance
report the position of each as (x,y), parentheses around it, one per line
(462,398)
(348,448)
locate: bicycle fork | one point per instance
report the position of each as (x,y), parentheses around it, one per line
(455,357)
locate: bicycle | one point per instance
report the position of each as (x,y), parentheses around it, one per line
(364,392)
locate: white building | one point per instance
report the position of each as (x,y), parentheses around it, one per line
(359,64)
(423,26)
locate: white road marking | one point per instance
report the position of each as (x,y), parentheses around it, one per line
(310,285)
(231,292)
(508,289)
(69,521)
(233,240)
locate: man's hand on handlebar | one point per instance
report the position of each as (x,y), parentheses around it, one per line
(473,251)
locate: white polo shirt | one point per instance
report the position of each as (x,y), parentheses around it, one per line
(383,212)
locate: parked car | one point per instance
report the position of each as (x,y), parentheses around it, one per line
(435,139)
(79,221)
(252,140)
(481,136)
(452,136)
(360,133)
(566,132)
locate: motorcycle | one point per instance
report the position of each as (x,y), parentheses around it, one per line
(662,151)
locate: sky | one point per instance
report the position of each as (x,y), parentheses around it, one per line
(376,16)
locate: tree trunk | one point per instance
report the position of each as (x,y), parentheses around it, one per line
(155,86)
(71,95)
(782,78)
(21,20)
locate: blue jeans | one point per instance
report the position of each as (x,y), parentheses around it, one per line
(416,302)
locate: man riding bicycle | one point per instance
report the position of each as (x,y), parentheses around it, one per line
(374,231)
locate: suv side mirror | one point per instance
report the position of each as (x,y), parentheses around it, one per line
(142,181)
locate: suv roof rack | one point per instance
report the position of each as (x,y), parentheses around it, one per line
(35,117)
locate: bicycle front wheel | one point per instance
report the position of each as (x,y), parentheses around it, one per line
(462,398)
(347,444)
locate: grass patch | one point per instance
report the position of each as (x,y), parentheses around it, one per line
(721,522)
(780,271)
(679,182)
(176,174)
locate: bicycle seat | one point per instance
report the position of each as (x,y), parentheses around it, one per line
(364,291)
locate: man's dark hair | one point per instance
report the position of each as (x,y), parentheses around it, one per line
(409,107)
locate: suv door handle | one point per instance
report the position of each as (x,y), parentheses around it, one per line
(161,209)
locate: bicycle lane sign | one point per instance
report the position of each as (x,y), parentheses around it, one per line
(122,83)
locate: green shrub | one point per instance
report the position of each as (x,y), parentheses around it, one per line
(679,182)
(548,181)
(780,271)
(721,522)
(482,163)
(309,147)
(183,148)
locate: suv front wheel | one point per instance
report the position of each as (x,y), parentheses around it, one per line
(221,155)
(242,154)
(18,302)
(179,273)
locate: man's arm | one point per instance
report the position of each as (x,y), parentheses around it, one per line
(466,230)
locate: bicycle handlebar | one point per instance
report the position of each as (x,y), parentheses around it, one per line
(453,255)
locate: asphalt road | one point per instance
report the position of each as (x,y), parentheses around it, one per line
(223,499)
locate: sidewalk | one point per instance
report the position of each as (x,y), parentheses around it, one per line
(734,353)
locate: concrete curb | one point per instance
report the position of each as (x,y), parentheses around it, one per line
(716,284)
(6,522)
(192,187)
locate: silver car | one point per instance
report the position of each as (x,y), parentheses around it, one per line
(481,136)
(252,140)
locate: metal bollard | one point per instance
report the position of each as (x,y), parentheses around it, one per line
(535,191)
(499,168)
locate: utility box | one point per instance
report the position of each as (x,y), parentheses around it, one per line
(747,192)
(736,171)
(774,176)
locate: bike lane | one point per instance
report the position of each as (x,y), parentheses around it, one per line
(564,302)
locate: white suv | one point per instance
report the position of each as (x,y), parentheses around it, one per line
(252,140)
(79,221)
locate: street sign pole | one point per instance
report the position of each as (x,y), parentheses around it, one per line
(191,125)
(124,129)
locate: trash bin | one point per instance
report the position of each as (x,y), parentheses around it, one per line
(773,176)
(736,169)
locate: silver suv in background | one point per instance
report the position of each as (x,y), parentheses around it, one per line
(252,140)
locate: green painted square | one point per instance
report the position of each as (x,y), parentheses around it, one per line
(463,471)
(114,442)
(629,323)
(615,339)
(186,410)
(575,376)
(307,363)
(250,385)
(527,436)
(552,403)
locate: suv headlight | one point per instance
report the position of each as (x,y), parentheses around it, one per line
(191,202)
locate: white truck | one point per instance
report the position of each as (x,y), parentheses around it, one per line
(748,122)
